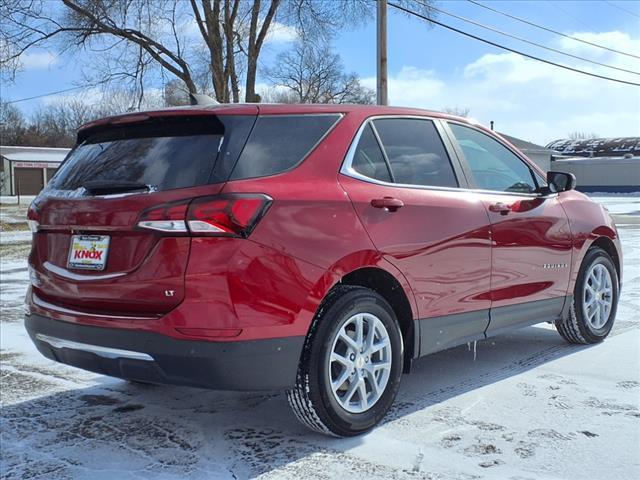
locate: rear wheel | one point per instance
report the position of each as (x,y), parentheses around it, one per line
(351,364)
(595,300)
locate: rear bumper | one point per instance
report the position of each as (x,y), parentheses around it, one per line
(269,364)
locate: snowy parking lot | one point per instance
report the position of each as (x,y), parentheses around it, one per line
(525,405)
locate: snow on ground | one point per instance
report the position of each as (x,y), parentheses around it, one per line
(529,406)
(11,238)
(11,214)
(14,280)
(13,200)
(620,205)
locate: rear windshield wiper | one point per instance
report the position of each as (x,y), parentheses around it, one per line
(103,187)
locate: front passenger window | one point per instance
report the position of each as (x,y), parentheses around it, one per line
(493,165)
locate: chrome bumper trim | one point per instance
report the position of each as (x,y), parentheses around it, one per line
(61,272)
(106,352)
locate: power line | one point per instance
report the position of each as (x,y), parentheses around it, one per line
(497,45)
(546,29)
(49,94)
(558,6)
(621,8)
(487,27)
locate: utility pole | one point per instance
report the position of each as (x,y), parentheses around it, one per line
(381,51)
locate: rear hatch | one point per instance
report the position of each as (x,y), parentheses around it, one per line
(89,251)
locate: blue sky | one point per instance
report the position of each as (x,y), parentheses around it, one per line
(411,42)
(433,68)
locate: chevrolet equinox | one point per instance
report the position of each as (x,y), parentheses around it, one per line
(317,249)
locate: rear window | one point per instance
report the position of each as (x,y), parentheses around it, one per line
(280,142)
(163,154)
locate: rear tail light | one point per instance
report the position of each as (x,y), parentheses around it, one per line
(234,215)
(228,215)
(32,219)
(165,218)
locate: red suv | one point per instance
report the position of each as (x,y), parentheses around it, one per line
(317,249)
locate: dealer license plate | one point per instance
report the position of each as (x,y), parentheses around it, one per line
(89,252)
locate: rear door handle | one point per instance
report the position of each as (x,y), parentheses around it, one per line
(388,203)
(500,207)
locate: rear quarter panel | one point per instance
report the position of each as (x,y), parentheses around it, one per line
(312,220)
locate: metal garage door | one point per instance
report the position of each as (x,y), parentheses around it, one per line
(28,181)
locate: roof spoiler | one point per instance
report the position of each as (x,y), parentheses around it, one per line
(201,99)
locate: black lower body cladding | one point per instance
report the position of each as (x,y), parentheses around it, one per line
(269,364)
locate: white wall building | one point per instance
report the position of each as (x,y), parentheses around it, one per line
(600,164)
(26,170)
(604,174)
(539,154)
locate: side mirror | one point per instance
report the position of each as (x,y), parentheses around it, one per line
(560,182)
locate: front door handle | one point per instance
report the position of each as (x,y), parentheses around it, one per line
(388,203)
(500,207)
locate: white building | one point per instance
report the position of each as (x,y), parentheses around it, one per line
(600,164)
(539,154)
(602,174)
(26,170)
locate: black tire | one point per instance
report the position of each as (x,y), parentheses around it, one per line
(574,326)
(312,399)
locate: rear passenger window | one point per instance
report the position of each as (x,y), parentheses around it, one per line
(415,152)
(280,142)
(368,159)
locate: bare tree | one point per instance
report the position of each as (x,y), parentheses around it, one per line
(137,39)
(56,124)
(312,73)
(459,111)
(581,135)
(278,95)
(175,93)
(9,61)
(12,124)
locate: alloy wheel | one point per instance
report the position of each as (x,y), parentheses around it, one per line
(597,298)
(359,362)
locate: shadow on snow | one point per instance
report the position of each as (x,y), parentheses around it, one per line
(141,431)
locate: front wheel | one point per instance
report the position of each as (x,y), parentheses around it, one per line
(595,300)
(351,364)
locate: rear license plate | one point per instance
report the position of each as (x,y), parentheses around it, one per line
(89,252)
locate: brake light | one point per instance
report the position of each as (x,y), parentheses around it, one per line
(168,218)
(129,119)
(32,219)
(233,215)
(227,215)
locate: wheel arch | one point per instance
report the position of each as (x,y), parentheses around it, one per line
(606,244)
(387,285)
(367,268)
